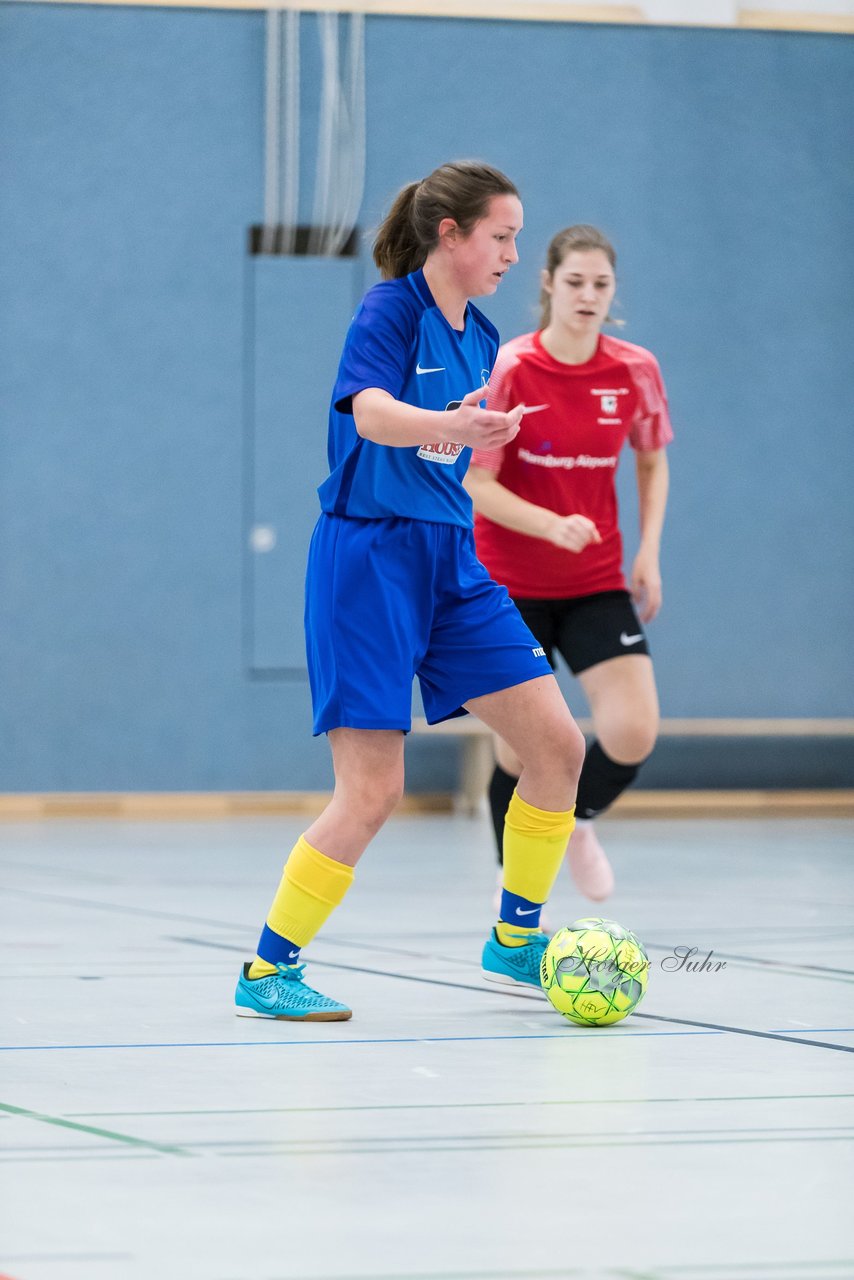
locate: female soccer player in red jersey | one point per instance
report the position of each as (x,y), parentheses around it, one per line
(546,523)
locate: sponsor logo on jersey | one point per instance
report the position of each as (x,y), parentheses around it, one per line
(444,452)
(539,653)
(609,404)
(568,464)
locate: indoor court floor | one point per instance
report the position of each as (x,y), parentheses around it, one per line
(449,1131)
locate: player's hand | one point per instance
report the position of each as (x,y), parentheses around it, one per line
(646,585)
(572,533)
(482,428)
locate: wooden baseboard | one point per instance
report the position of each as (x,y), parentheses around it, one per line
(831,803)
(680,727)
(219,806)
(168,806)
(782,20)
(512,10)
(504,10)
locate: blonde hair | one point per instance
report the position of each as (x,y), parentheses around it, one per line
(460,190)
(580,237)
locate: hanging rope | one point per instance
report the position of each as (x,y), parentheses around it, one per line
(341,139)
(327,132)
(271,132)
(291,133)
(351,152)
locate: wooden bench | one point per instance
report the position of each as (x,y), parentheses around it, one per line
(477,760)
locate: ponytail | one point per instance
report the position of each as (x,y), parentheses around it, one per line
(396,248)
(460,190)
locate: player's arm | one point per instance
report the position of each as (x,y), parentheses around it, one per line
(653,479)
(384,420)
(500,505)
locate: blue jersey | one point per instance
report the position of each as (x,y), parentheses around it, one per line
(400,342)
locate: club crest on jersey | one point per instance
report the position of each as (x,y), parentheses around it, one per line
(609,404)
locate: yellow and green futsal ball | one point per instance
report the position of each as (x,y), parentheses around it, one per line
(594,972)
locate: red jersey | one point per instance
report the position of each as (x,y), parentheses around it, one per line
(565,458)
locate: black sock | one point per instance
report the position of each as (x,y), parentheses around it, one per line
(601,781)
(501,788)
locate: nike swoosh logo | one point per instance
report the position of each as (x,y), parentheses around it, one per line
(520,912)
(269,1002)
(624,639)
(292,954)
(534,408)
(440,369)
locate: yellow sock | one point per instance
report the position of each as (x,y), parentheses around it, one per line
(535,842)
(312,886)
(510,935)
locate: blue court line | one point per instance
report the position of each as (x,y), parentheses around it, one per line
(793,1031)
(767,963)
(284,1044)
(785,1038)
(467,986)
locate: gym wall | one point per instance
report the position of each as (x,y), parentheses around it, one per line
(150,425)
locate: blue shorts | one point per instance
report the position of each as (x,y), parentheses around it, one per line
(390,599)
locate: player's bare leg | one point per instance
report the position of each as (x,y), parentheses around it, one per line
(536,724)
(535,720)
(624,706)
(318,873)
(369,775)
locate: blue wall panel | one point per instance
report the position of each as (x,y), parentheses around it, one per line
(297,310)
(719,161)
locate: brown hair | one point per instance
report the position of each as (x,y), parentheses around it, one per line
(582,237)
(460,190)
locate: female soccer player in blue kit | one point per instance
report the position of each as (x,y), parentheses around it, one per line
(394,588)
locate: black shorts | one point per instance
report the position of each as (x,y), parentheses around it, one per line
(586,630)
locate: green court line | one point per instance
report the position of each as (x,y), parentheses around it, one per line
(810,1270)
(467,1106)
(385,1140)
(68,1256)
(109,1134)
(79,1158)
(301,1152)
(565,1273)
(708,1271)
(727,1267)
